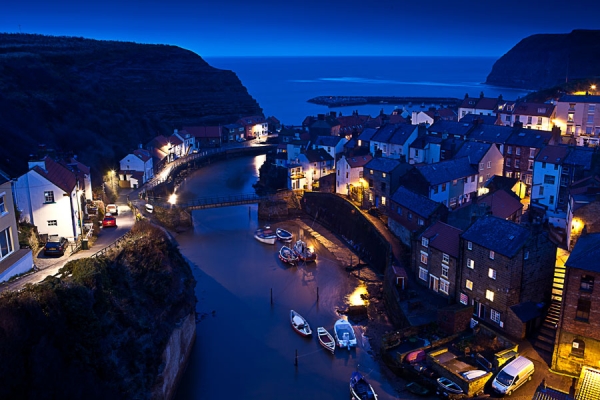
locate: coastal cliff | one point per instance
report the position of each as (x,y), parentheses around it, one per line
(546,60)
(118,327)
(101,99)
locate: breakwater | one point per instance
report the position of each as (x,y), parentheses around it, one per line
(343,101)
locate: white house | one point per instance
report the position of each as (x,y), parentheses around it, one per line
(531,115)
(349,172)
(547,170)
(333,145)
(394,140)
(51,197)
(425,149)
(138,161)
(478,106)
(315,163)
(579,116)
(486,158)
(13,259)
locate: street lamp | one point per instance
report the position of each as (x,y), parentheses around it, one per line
(112,180)
(593,88)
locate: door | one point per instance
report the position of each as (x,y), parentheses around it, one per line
(478,309)
(433,283)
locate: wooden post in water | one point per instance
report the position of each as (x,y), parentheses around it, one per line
(317,293)
(271,296)
(296,359)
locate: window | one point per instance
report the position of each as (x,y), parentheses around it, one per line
(492,255)
(551,200)
(526,256)
(383,186)
(570,117)
(435,189)
(532,152)
(421,222)
(52,222)
(541,191)
(2,206)
(399,211)
(443,187)
(464,299)
(489,164)
(508,149)
(6,246)
(370,183)
(383,175)
(517,163)
(587,283)
(445,258)
(423,274)
(470,245)
(518,151)
(49,197)
(469,284)
(530,166)
(489,295)
(508,118)
(540,120)
(444,286)
(508,162)
(454,182)
(470,263)
(424,256)
(445,270)
(583,310)
(481,166)
(578,348)
(529,118)
(383,200)
(371,172)
(495,316)
(424,242)
(409,216)
(492,273)
(549,179)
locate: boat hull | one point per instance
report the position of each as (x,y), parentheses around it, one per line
(287,255)
(265,235)
(344,334)
(326,340)
(304,252)
(360,388)
(300,324)
(283,235)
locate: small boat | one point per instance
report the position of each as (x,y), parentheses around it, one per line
(473,374)
(360,388)
(299,324)
(304,252)
(287,255)
(449,386)
(265,235)
(415,356)
(326,339)
(344,333)
(283,235)
(417,389)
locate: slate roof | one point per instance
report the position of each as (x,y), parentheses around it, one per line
(497,234)
(552,154)
(331,141)
(444,237)
(529,138)
(475,151)
(57,174)
(367,134)
(394,133)
(580,156)
(490,133)
(501,203)
(482,103)
(382,164)
(579,99)
(528,310)
(142,154)
(450,127)
(359,161)
(485,119)
(174,140)
(586,253)
(446,171)
(534,109)
(547,393)
(421,205)
(317,155)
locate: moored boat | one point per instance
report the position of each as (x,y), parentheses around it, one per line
(344,333)
(449,386)
(304,252)
(265,235)
(283,235)
(300,324)
(287,255)
(360,388)
(326,339)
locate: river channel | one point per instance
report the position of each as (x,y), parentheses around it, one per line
(245,346)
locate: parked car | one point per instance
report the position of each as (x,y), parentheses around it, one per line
(112,209)
(109,221)
(55,247)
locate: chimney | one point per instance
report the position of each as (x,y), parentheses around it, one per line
(321,117)
(332,114)
(37,163)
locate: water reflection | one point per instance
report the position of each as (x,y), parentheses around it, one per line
(358,297)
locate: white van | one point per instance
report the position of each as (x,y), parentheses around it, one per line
(513,375)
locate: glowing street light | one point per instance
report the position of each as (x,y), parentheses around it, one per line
(173,199)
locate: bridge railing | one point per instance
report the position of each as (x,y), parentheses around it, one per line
(205,201)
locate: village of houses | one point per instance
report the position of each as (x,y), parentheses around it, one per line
(497,200)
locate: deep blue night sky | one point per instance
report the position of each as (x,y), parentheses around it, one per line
(307,27)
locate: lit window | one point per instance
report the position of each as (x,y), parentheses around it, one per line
(492,273)
(383,174)
(464,299)
(470,263)
(383,200)
(424,256)
(444,286)
(371,172)
(445,258)
(470,245)
(508,149)
(492,254)
(489,295)
(518,151)
(424,242)
(469,285)
(495,316)
(489,164)
(421,222)
(578,348)
(49,197)
(423,274)
(6,246)
(2,206)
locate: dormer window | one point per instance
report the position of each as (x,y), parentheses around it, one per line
(424,242)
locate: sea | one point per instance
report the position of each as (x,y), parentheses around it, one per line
(282,86)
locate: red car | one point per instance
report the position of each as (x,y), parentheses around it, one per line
(109,221)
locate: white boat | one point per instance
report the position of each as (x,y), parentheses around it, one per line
(265,235)
(287,255)
(473,374)
(283,235)
(344,333)
(300,324)
(326,339)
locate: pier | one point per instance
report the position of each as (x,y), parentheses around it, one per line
(343,101)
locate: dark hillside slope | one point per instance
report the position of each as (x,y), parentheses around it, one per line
(100,99)
(546,60)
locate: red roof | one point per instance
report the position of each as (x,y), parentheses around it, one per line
(58,174)
(252,120)
(534,109)
(174,140)
(204,131)
(159,141)
(359,161)
(142,154)
(444,237)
